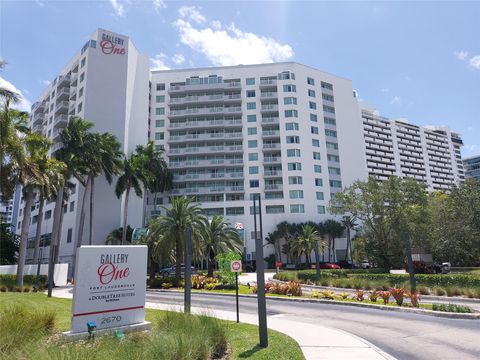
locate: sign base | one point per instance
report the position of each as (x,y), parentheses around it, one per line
(144,326)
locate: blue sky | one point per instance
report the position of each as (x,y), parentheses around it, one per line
(414,60)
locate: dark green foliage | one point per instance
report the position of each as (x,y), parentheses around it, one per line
(9,243)
(451,308)
(8,280)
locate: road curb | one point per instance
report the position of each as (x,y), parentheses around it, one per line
(342,303)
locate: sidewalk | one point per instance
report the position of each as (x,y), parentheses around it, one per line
(317,342)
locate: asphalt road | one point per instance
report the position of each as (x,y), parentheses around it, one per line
(402,335)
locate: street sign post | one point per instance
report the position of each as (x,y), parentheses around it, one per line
(236,267)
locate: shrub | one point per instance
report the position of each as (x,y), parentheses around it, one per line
(328,295)
(344,295)
(451,308)
(166,285)
(424,290)
(3,288)
(211,286)
(201,281)
(157,283)
(414,298)
(359,295)
(315,294)
(439,291)
(398,294)
(373,296)
(385,295)
(294,288)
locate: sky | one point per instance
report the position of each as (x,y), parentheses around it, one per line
(413,60)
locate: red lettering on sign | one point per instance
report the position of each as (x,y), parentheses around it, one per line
(109,272)
(109,48)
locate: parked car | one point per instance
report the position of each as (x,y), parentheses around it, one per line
(443,268)
(329,266)
(365,264)
(170,271)
(345,264)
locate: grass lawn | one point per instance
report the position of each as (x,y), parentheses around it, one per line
(242,338)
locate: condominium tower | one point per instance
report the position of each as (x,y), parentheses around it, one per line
(472,167)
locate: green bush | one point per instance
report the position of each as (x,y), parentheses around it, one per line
(8,280)
(451,308)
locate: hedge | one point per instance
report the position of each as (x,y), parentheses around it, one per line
(10,279)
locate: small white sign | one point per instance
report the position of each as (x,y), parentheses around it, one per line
(236,266)
(110,286)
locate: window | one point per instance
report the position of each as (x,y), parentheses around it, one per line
(251,118)
(159,136)
(332,146)
(316,155)
(314,130)
(293,152)
(80,92)
(333,170)
(335,183)
(326,85)
(315,143)
(312,105)
(329,121)
(160,87)
(254,183)
(320,195)
(333,158)
(318,182)
(48,214)
(253,170)
(72,206)
(250,81)
(286,75)
(310,81)
(295,180)
(290,101)
(69,235)
(160,98)
(327,97)
(35,219)
(252,143)
(311,93)
(294,166)
(253,157)
(82,76)
(160,111)
(252,131)
(251,106)
(274,195)
(296,194)
(159,147)
(83,62)
(291,126)
(329,109)
(297,208)
(317,168)
(73,190)
(320,209)
(291,113)
(159,123)
(235,211)
(331,133)
(293,139)
(250,93)
(274,209)
(313,117)
(65,208)
(289,88)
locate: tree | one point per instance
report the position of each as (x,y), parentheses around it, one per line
(116,236)
(273,239)
(131,178)
(349,224)
(219,237)
(333,229)
(7,93)
(306,242)
(8,245)
(169,229)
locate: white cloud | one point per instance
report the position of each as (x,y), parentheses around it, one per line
(40,3)
(118,8)
(396,100)
(460,55)
(158,5)
(228,45)
(158,62)
(46,82)
(24,104)
(475,62)
(178,59)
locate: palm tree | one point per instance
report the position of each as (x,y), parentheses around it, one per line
(219,237)
(29,176)
(169,229)
(306,242)
(7,93)
(334,229)
(131,178)
(115,236)
(349,224)
(273,239)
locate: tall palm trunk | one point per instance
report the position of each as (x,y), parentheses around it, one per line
(178,262)
(348,244)
(81,223)
(210,263)
(333,250)
(22,253)
(125,209)
(38,232)
(57,222)
(90,225)
(59,239)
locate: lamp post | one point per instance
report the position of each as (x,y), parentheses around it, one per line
(262,306)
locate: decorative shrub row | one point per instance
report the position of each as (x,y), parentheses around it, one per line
(292,288)
(451,308)
(6,279)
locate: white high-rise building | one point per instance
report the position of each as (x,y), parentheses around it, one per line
(430,154)
(6,210)
(106,83)
(286,131)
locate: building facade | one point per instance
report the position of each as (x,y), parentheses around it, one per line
(6,210)
(106,83)
(472,167)
(430,154)
(286,131)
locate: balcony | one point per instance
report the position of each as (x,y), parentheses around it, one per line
(271,133)
(205,111)
(38,119)
(56,134)
(270,120)
(38,106)
(236,189)
(272,173)
(60,121)
(236,175)
(63,80)
(62,107)
(37,128)
(269,108)
(204,87)
(268,83)
(205,99)
(272,146)
(205,136)
(63,94)
(273,187)
(73,93)
(268,95)
(73,79)
(272,160)
(56,146)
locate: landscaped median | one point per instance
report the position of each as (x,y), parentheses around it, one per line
(30,325)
